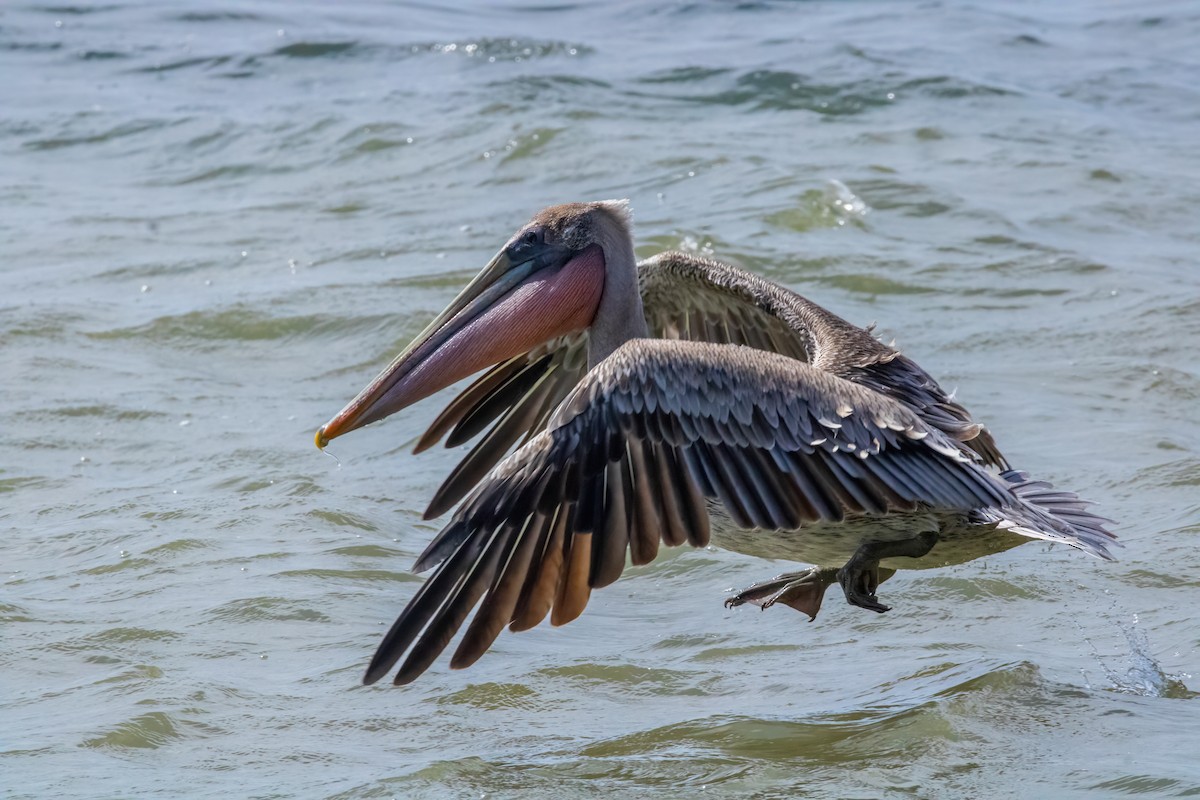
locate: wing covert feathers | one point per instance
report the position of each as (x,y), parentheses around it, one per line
(689,297)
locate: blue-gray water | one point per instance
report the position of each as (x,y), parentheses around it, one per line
(217,221)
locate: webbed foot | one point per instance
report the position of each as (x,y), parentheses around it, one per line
(862,574)
(860,585)
(803,591)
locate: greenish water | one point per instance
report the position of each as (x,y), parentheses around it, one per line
(218,222)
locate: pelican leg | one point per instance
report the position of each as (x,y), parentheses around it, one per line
(861,575)
(802,591)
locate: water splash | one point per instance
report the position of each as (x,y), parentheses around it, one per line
(1143,676)
(844,203)
(832,206)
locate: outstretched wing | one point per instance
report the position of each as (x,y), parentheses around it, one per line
(696,299)
(625,463)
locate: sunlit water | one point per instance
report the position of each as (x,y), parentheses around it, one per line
(217,221)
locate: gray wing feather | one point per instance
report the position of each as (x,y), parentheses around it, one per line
(1055,515)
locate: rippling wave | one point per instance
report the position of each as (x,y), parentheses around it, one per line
(219,223)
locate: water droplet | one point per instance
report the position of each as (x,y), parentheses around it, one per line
(58,23)
(891,95)
(145,287)
(184,423)
(245,253)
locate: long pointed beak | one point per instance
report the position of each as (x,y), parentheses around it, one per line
(505,310)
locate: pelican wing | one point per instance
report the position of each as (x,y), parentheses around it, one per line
(697,299)
(701,300)
(688,297)
(625,463)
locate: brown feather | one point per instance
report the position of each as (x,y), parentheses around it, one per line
(453,611)
(497,607)
(573,589)
(674,531)
(608,549)
(541,585)
(646,526)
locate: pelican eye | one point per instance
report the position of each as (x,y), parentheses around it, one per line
(531,239)
(524,246)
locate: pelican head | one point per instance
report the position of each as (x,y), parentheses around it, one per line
(547,281)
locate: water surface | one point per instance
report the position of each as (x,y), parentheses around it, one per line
(218,221)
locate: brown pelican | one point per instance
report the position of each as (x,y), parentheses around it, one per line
(667,401)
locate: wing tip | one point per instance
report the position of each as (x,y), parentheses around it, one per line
(375,671)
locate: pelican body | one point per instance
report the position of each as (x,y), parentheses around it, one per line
(680,400)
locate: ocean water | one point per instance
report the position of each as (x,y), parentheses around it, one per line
(218,221)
